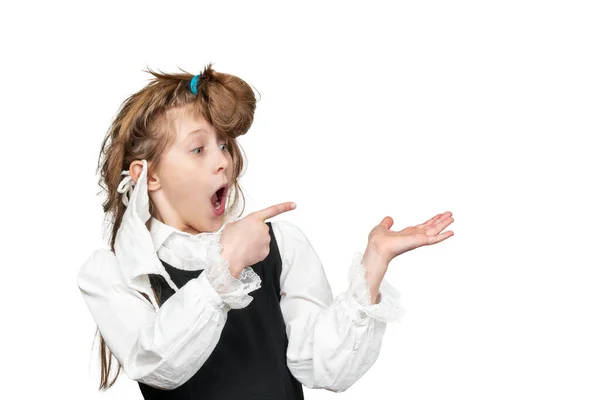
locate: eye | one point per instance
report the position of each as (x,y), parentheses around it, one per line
(199,148)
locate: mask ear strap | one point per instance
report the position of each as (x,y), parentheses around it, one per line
(126,187)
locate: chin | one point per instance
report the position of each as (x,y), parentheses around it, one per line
(216,221)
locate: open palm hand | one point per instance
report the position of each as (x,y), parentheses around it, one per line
(389,244)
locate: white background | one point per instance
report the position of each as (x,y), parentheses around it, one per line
(408,109)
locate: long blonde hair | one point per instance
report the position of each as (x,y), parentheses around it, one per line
(224,100)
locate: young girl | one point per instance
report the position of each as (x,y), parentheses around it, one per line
(193,305)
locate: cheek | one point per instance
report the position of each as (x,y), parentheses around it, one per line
(184,183)
(188,190)
(179,187)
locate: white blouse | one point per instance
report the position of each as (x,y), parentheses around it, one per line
(332,342)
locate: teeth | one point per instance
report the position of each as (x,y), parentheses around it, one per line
(216,201)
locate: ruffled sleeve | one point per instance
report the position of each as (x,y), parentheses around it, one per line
(162,348)
(233,291)
(332,341)
(204,252)
(387,309)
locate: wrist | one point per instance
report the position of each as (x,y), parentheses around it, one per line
(374,263)
(375,269)
(234,267)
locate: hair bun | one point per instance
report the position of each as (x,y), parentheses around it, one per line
(230,101)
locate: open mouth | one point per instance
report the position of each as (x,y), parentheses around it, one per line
(218,199)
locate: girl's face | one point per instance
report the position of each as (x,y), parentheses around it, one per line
(197,164)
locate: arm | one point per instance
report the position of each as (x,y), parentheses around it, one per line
(332,342)
(163,348)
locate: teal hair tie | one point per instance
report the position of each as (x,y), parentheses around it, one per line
(194,84)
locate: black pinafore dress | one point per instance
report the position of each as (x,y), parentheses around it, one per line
(249,361)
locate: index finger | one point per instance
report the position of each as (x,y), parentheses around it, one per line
(272,211)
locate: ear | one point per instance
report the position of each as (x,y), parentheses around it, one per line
(153,181)
(135,169)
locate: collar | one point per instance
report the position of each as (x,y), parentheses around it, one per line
(136,246)
(163,234)
(160,232)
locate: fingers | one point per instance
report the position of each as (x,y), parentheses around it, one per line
(442,224)
(272,211)
(435,236)
(434,220)
(441,237)
(428,222)
(439,226)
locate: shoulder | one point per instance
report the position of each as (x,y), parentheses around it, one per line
(100,265)
(287,230)
(301,265)
(290,238)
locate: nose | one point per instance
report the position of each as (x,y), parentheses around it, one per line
(221,160)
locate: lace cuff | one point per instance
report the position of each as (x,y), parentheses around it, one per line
(388,309)
(204,251)
(233,291)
